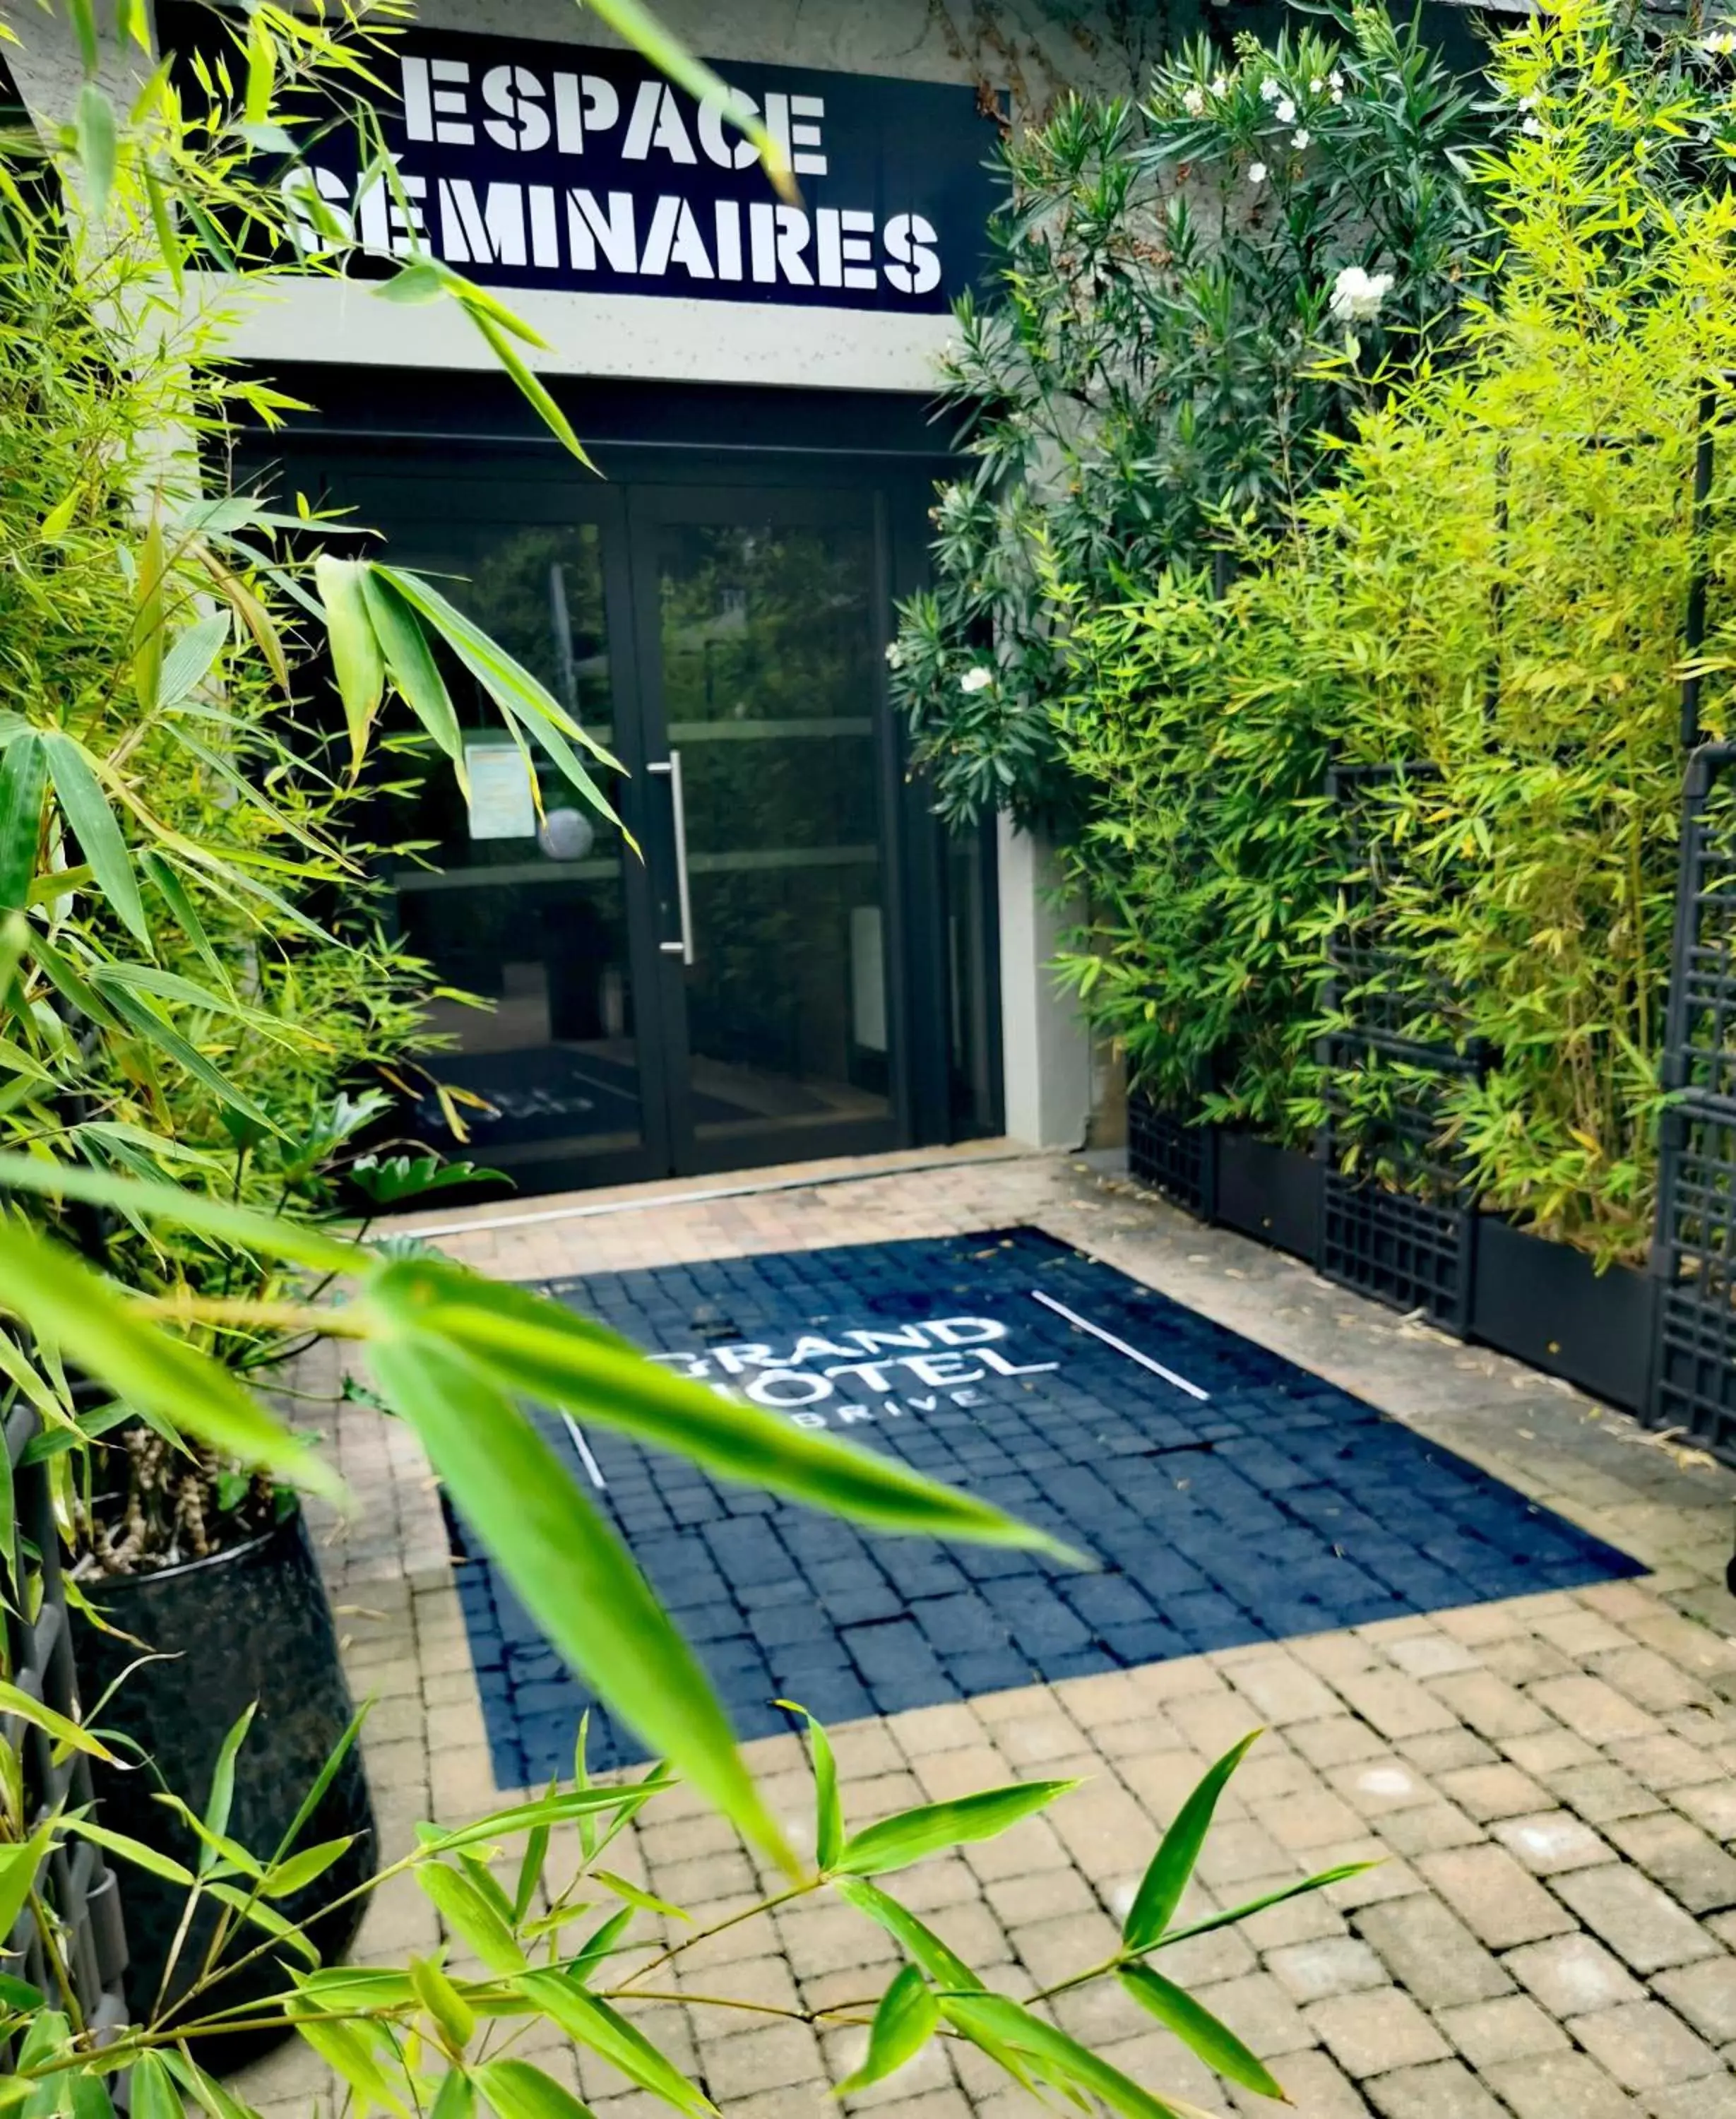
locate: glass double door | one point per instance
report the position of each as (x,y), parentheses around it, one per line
(708,984)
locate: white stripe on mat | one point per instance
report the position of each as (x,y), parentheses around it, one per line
(1121,1346)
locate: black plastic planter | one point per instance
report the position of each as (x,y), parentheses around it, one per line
(249,1625)
(1268,1192)
(1549,1304)
(1474,1275)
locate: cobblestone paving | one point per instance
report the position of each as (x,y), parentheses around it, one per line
(1223,1494)
(1548,1781)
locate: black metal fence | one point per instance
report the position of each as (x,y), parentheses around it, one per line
(81,1972)
(1408,1243)
(1692,1380)
(1414,1242)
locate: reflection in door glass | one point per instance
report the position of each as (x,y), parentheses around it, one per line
(768,653)
(525,912)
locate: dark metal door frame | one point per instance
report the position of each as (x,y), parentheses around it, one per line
(663,450)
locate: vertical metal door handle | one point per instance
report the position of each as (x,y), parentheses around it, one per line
(683,948)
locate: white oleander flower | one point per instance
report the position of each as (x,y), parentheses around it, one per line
(977,679)
(1336,80)
(1256,173)
(1286,113)
(1534,126)
(1220,86)
(1338,95)
(1528,103)
(1720,44)
(895,654)
(1317,86)
(1270,89)
(1357,295)
(1304,140)
(1193,102)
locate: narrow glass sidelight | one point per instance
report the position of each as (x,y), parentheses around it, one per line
(767,640)
(519,896)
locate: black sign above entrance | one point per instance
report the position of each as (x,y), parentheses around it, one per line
(533,164)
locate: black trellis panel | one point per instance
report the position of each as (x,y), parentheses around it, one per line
(1172,1158)
(1692,1383)
(1400,1225)
(79,1889)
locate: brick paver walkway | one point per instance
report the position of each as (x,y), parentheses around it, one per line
(1548,1781)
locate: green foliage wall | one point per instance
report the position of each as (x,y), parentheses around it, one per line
(1149,375)
(1496,586)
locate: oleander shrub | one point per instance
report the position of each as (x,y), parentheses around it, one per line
(1191,299)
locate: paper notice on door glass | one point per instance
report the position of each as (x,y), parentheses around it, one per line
(501,806)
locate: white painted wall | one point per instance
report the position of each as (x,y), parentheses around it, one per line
(1046,1055)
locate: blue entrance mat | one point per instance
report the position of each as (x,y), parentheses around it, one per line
(1227,1494)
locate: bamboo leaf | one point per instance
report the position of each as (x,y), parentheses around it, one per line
(189,662)
(23,781)
(284,1878)
(530,1344)
(600,1945)
(528,382)
(40,1716)
(411,665)
(588,2019)
(351,2053)
(1214,2041)
(1165,1880)
(154,2092)
(1235,1914)
(417,281)
(157,1031)
(250,1908)
(262,77)
(99,147)
(647,1902)
(86,809)
(171,889)
(589,1600)
(132,1850)
(904,2021)
(443,2002)
(517,2090)
(828,1811)
(636,25)
(67,1304)
(84,26)
(468,1913)
(18,1867)
(575,1803)
(222,1798)
(895,1843)
(155,1201)
(58,519)
(1057,2055)
(205,2089)
(920,1942)
(456,2098)
(506,682)
(235,592)
(149,623)
(163,227)
(90,2097)
(323,1780)
(356,659)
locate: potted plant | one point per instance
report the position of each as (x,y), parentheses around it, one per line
(210,1662)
